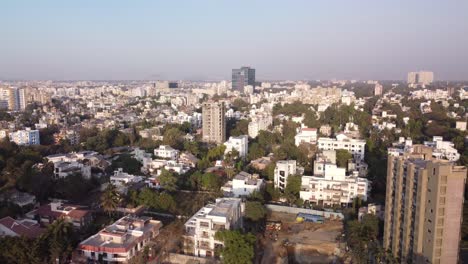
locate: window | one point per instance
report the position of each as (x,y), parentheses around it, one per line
(441,211)
(443,190)
(443,179)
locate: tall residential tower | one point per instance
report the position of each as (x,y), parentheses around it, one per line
(214,122)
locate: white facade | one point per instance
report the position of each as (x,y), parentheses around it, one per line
(258,123)
(333,187)
(354,146)
(63,169)
(443,149)
(240,143)
(283,169)
(166,152)
(25,137)
(243,184)
(461,125)
(121,178)
(200,229)
(306,135)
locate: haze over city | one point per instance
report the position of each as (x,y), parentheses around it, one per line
(203,40)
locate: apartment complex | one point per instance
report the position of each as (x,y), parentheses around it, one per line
(12,98)
(283,169)
(305,135)
(214,122)
(239,143)
(356,147)
(243,77)
(200,229)
(242,185)
(121,241)
(420,78)
(423,208)
(25,137)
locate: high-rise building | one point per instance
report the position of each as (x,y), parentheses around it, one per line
(378,89)
(424,207)
(214,122)
(420,78)
(242,77)
(12,98)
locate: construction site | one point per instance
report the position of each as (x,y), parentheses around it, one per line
(289,238)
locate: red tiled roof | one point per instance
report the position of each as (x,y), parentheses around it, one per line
(28,230)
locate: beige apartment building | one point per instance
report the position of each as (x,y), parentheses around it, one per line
(214,122)
(424,207)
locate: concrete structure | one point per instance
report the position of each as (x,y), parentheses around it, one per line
(333,187)
(243,184)
(119,242)
(25,137)
(200,229)
(461,125)
(378,89)
(239,143)
(420,78)
(283,169)
(214,122)
(306,135)
(423,208)
(258,123)
(16,228)
(242,77)
(166,152)
(354,146)
(77,215)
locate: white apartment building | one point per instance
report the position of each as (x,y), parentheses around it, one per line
(334,187)
(356,147)
(200,229)
(283,169)
(306,135)
(239,143)
(120,241)
(243,184)
(166,152)
(63,169)
(120,178)
(25,137)
(258,123)
(443,149)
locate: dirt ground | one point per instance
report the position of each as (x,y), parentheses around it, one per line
(301,242)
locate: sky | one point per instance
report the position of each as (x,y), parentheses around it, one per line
(205,39)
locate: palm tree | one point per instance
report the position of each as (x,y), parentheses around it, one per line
(59,239)
(110,199)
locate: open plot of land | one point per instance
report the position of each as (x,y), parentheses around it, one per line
(301,242)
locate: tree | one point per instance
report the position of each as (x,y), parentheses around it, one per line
(293,185)
(168,180)
(342,157)
(59,237)
(255,151)
(254,211)
(173,137)
(238,248)
(210,181)
(110,199)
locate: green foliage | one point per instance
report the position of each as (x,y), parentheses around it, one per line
(238,247)
(128,164)
(110,199)
(255,211)
(342,157)
(157,201)
(216,153)
(73,187)
(168,180)
(293,187)
(240,128)
(5,116)
(255,151)
(173,137)
(239,104)
(361,236)
(210,181)
(104,140)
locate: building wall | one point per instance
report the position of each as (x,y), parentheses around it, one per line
(214,122)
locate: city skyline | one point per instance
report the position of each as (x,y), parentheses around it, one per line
(300,40)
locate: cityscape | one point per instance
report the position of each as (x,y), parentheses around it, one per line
(251,159)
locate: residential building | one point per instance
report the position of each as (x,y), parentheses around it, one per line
(305,135)
(461,125)
(214,122)
(239,143)
(120,241)
(354,146)
(242,185)
(166,152)
(326,130)
(259,122)
(371,209)
(284,169)
(420,78)
(120,178)
(333,187)
(77,215)
(423,208)
(20,228)
(25,137)
(63,169)
(200,229)
(378,89)
(443,149)
(242,77)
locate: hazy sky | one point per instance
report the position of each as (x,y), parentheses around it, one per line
(205,39)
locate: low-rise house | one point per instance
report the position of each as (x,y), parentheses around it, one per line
(242,185)
(21,199)
(20,228)
(354,146)
(373,209)
(261,163)
(120,241)
(79,216)
(122,178)
(188,159)
(63,169)
(200,229)
(166,152)
(306,135)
